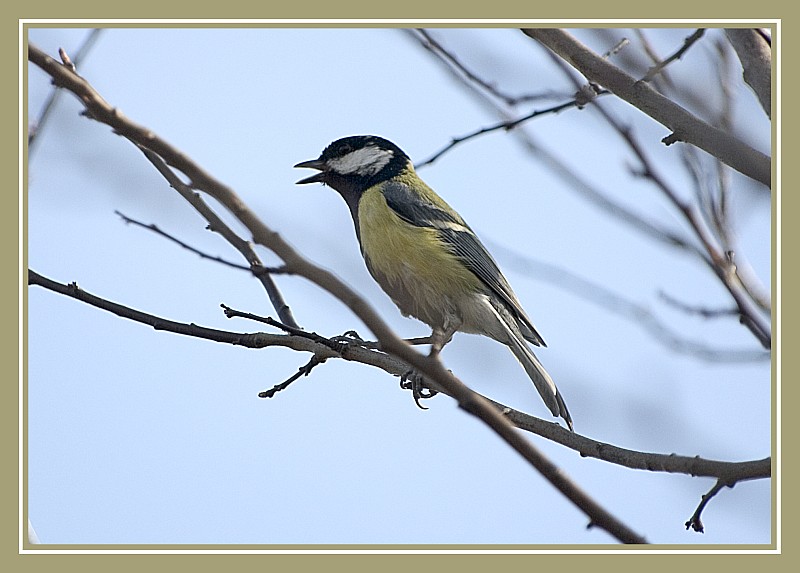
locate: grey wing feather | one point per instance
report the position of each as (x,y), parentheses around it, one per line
(456,233)
(413,209)
(479,261)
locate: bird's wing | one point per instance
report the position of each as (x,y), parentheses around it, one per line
(454,231)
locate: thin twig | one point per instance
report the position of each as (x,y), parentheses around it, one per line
(429,43)
(695,522)
(158,231)
(504,126)
(36,127)
(616,49)
(687,43)
(304,370)
(662,81)
(702,311)
(334,345)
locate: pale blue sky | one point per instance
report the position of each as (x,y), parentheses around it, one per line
(137,436)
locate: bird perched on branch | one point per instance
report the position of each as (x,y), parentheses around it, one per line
(425,256)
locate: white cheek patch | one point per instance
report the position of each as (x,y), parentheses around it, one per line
(365,161)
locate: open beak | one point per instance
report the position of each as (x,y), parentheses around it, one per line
(313,164)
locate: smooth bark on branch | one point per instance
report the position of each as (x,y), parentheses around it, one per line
(684,126)
(755,54)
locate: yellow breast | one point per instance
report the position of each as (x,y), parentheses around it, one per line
(424,279)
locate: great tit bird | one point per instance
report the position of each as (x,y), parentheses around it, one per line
(425,256)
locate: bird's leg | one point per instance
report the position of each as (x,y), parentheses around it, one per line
(419,340)
(441,336)
(437,343)
(413,380)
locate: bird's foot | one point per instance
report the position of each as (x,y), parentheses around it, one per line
(352,337)
(414,381)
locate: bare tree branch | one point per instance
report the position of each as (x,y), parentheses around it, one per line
(755,54)
(354,350)
(637,313)
(430,366)
(216,224)
(37,125)
(711,253)
(684,126)
(721,263)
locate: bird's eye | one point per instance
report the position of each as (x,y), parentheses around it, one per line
(345,149)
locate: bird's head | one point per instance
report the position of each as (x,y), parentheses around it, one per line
(355,163)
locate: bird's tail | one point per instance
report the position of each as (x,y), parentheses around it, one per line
(540,378)
(536,372)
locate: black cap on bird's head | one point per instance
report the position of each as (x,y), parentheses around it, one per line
(355,163)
